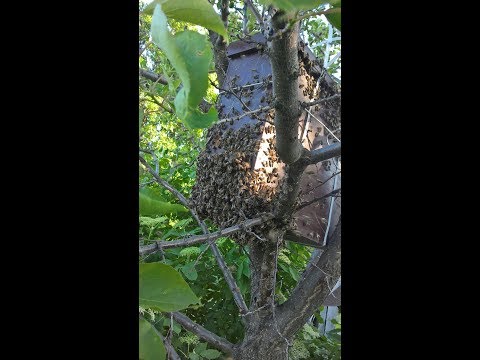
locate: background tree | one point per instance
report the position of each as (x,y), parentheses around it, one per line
(250,300)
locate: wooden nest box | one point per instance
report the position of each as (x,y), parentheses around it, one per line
(239,172)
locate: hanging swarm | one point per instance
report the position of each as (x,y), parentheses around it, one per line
(232,183)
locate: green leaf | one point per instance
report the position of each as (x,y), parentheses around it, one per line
(292,5)
(243,285)
(201,347)
(194,118)
(150,345)
(294,273)
(199,12)
(334,336)
(190,54)
(151,206)
(283,266)
(162,288)
(239,271)
(211,354)
(177,329)
(193,356)
(189,251)
(335,19)
(189,271)
(246,268)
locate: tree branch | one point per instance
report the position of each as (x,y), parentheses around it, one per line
(319,101)
(205,237)
(313,288)
(214,340)
(237,295)
(255,12)
(247,113)
(297,237)
(150,75)
(318,13)
(325,153)
(306,203)
(285,71)
(160,104)
(287,198)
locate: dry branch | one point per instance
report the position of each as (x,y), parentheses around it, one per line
(214,340)
(159,244)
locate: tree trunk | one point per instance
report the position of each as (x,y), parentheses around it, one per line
(263,345)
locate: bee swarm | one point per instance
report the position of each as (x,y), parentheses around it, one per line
(237,176)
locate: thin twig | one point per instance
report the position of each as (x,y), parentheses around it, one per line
(325,126)
(323,183)
(159,244)
(150,75)
(318,13)
(319,101)
(231,92)
(255,12)
(213,339)
(152,97)
(264,108)
(306,203)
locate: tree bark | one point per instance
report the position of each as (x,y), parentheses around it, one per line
(262,346)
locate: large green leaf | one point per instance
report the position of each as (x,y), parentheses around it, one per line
(150,345)
(190,54)
(335,18)
(162,288)
(151,206)
(199,12)
(292,5)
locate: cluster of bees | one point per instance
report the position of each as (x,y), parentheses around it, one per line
(308,84)
(237,176)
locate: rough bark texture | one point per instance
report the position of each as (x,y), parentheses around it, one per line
(220,46)
(262,346)
(285,70)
